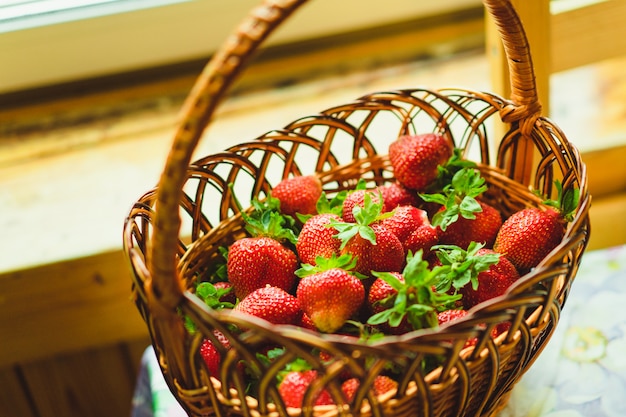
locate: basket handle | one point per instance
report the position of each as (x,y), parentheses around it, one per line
(220,73)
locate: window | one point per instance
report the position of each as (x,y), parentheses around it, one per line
(44,43)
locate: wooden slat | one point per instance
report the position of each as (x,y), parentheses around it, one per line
(589,34)
(97,382)
(65,307)
(602,181)
(608,221)
(14,400)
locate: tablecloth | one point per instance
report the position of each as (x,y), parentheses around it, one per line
(580,373)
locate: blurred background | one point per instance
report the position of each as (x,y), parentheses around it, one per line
(90,92)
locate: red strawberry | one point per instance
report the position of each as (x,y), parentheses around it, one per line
(317,239)
(357,198)
(414,299)
(211,355)
(404,220)
(451,315)
(395,194)
(527,236)
(382,296)
(463,219)
(298,194)
(423,238)
(383,252)
(482,228)
(255,262)
(415,158)
(272,304)
(329,295)
(382,384)
(294,386)
(374,246)
(479,274)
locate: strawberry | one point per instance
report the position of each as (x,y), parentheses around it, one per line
(294,386)
(381,252)
(298,194)
(491,283)
(272,304)
(477,273)
(374,246)
(395,194)
(382,384)
(413,229)
(415,158)
(357,198)
(328,294)
(451,315)
(316,238)
(423,238)
(483,228)
(404,220)
(527,236)
(255,262)
(380,297)
(462,218)
(210,353)
(262,259)
(416,298)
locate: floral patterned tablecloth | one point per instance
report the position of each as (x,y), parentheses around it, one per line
(580,373)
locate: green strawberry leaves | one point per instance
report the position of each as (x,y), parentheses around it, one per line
(565,203)
(417,299)
(346,262)
(364,216)
(464,265)
(458,198)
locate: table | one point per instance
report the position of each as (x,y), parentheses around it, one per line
(580,373)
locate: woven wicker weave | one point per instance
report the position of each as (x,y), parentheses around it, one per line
(173,233)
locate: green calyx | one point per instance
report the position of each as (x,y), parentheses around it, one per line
(446,172)
(346,262)
(417,300)
(364,216)
(458,198)
(266,220)
(463,265)
(566,202)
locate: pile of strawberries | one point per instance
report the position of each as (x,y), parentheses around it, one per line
(368,262)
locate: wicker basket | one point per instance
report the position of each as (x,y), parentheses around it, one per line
(173,233)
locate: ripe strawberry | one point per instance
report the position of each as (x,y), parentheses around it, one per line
(210,353)
(357,198)
(382,384)
(404,220)
(272,304)
(383,252)
(328,294)
(451,315)
(395,194)
(263,258)
(412,227)
(415,299)
(483,228)
(382,296)
(294,386)
(298,194)
(255,262)
(374,246)
(463,219)
(423,238)
(415,158)
(316,238)
(527,236)
(491,283)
